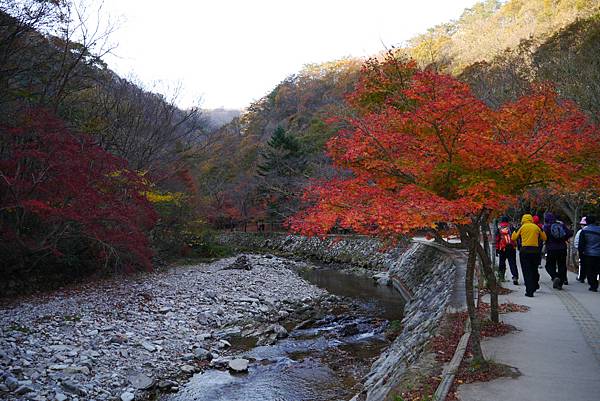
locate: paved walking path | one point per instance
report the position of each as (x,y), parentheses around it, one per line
(557,347)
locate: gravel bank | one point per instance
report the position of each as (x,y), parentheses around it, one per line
(116,339)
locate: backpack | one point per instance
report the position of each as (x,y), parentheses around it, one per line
(557,230)
(504,238)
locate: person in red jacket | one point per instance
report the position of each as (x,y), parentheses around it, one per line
(506,250)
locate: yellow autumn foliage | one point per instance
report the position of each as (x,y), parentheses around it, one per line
(166,197)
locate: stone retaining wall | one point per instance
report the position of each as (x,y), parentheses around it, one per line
(356,250)
(430,272)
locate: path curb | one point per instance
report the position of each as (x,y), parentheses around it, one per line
(450,370)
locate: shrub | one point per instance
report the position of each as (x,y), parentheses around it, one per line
(66,201)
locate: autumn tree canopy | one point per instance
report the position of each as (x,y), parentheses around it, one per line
(432,152)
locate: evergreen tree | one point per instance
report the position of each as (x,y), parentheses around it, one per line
(283,172)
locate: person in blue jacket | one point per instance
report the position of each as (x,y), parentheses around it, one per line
(589,250)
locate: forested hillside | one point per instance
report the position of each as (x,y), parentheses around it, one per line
(98,171)
(490,27)
(94,168)
(569,58)
(277,145)
(257,166)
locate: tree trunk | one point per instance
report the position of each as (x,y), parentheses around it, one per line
(492,234)
(572,208)
(574,255)
(475,325)
(490,282)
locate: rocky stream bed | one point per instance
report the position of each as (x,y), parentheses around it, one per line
(244,322)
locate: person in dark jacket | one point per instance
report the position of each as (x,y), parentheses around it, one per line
(556,249)
(589,250)
(506,250)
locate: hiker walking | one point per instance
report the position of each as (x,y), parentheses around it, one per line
(506,250)
(582,275)
(531,236)
(556,249)
(589,251)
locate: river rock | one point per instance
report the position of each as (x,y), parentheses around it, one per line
(127,396)
(238,365)
(22,390)
(148,346)
(220,362)
(59,366)
(11,382)
(279,330)
(76,369)
(140,381)
(73,388)
(188,369)
(241,263)
(349,330)
(202,354)
(383,278)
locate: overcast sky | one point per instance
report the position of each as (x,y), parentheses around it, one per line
(231,52)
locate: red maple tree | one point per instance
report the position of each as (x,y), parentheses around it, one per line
(64,198)
(421,149)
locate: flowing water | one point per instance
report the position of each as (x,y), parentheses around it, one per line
(323,362)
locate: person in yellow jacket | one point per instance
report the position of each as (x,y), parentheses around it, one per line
(530,236)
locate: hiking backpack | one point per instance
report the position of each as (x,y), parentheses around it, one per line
(557,230)
(504,237)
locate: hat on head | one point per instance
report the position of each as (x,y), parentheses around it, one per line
(549,218)
(583,221)
(504,219)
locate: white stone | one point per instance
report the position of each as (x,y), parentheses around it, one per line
(127,396)
(148,346)
(60,397)
(239,365)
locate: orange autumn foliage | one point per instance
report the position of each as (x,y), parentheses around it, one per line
(426,150)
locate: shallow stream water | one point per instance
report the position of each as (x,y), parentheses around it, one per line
(322,362)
